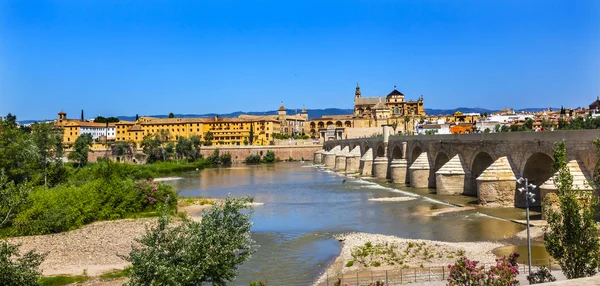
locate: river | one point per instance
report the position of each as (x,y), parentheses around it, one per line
(304,206)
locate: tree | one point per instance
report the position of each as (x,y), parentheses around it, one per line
(528,126)
(101,119)
(152,147)
(123,149)
(196,142)
(12,197)
(49,150)
(194,253)
(169,151)
(571,236)
(12,119)
(183,147)
(81,149)
(16,159)
(394,125)
(16,269)
(208,138)
(171,115)
(251,135)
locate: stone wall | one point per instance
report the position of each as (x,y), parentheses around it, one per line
(361,132)
(239,154)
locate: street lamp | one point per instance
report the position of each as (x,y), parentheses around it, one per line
(528,196)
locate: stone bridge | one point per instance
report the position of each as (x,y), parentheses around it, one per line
(482,165)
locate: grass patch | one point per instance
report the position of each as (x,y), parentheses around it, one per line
(116,274)
(144,215)
(62,280)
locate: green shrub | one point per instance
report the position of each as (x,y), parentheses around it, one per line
(16,269)
(252,159)
(269,157)
(226,159)
(107,195)
(542,275)
(194,253)
(349,263)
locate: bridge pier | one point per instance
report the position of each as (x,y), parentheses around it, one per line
(497,184)
(318,157)
(329,157)
(398,170)
(420,171)
(380,168)
(366,163)
(453,178)
(353,161)
(340,159)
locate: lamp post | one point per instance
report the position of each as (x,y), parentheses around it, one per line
(528,196)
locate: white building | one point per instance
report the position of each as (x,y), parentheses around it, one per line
(443,128)
(97,129)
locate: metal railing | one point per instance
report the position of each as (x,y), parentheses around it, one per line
(399,276)
(412,275)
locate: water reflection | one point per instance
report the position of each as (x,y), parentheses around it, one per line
(304,207)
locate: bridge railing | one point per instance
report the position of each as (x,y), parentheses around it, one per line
(547,136)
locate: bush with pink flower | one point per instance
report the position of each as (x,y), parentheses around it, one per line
(152,193)
(467,272)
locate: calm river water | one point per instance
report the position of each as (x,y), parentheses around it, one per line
(305,206)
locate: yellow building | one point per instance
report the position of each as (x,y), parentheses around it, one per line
(224,131)
(220,131)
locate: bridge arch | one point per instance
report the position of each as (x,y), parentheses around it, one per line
(537,169)
(380,151)
(397,153)
(364,149)
(440,160)
(481,161)
(416,151)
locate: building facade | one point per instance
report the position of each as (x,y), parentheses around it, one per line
(369,114)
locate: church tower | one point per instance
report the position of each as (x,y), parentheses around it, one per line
(357,92)
(281,113)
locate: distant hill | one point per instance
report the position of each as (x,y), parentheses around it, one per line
(431,111)
(316,113)
(312,113)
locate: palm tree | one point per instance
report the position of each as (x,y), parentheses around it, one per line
(406,120)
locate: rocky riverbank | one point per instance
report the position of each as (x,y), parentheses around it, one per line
(364,251)
(94,248)
(97,248)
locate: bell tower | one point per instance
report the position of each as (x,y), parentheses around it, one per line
(357,92)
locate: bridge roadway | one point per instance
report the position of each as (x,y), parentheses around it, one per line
(482,165)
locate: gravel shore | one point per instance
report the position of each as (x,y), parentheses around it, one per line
(94,248)
(377,249)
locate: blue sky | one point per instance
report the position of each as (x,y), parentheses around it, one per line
(154,57)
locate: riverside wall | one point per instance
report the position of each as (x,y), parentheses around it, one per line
(239,153)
